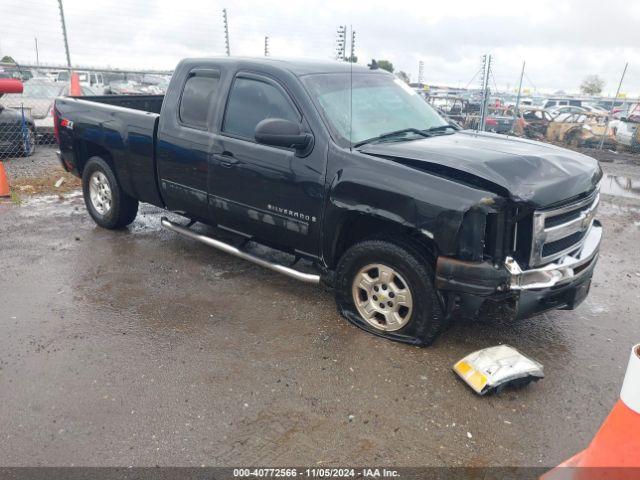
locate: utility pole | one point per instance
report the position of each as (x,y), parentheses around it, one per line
(341,42)
(226,31)
(613,104)
(486,73)
(64,33)
(353,46)
(519,90)
(421,72)
(37,56)
(266,46)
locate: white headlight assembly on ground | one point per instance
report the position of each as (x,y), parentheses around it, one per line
(493,368)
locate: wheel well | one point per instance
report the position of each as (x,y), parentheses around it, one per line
(85,150)
(358,227)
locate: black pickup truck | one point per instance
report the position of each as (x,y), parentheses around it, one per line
(411,221)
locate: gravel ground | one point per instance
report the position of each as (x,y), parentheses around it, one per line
(38,174)
(40,164)
(140,347)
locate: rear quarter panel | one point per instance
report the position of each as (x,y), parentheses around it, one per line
(127,135)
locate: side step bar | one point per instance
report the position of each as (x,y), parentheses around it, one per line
(225,247)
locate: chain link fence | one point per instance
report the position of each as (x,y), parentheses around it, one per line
(26,119)
(18,136)
(586,124)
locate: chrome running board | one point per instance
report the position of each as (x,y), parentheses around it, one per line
(225,247)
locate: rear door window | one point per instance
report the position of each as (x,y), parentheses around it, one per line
(250,102)
(198,96)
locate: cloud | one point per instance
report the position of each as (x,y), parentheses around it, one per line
(562,41)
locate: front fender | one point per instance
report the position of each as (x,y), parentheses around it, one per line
(384,189)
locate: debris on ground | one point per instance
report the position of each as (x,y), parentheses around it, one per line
(494,368)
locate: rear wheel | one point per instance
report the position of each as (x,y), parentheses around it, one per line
(109,206)
(385,286)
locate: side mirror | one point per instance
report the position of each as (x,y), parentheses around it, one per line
(278,132)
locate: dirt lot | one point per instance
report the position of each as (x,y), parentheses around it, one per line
(144,348)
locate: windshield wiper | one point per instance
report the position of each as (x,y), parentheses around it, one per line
(395,133)
(441,128)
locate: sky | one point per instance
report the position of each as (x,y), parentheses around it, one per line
(561,41)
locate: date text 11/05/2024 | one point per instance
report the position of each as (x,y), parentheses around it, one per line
(316,472)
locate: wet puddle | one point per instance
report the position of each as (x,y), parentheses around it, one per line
(620,186)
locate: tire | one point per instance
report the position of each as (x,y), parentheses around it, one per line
(109,206)
(424,320)
(29,146)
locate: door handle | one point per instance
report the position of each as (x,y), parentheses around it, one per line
(227,159)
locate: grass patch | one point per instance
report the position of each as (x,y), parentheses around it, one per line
(46,183)
(15,198)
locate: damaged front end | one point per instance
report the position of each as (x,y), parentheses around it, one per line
(511,221)
(528,260)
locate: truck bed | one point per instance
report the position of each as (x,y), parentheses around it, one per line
(144,103)
(125,126)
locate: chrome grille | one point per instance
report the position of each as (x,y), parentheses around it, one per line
(562,230)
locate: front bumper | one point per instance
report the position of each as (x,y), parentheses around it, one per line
(472,289)
(569,268)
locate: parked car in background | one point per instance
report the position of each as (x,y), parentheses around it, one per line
(593,108)
(532,122)
(65,77)
(554,111)
(498,120)
(37,102)
(583,129)
(627,133)
(17,131)
(560,102)
(16,72)
(96,83)
(93,80)
(125,87)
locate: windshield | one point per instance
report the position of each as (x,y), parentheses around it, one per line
(381,104)
(41,91)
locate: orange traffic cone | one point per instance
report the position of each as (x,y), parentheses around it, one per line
(4,182)
(75,90)
(614,452)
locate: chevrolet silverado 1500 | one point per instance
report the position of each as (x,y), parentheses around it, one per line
(411,221)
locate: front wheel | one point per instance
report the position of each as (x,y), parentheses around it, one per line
(109,206)
(386,287)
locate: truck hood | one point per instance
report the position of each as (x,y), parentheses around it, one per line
(529,171)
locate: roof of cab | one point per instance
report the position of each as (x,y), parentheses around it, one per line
(295,65)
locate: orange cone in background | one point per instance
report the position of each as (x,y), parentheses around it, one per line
(4,182)
(614,452)
(75,90)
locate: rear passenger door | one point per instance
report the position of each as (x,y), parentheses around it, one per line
(185,142)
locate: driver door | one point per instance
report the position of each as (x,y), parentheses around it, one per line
(262,191)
